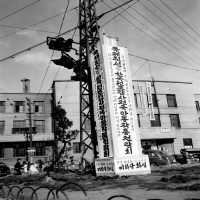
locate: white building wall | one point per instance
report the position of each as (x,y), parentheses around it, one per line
(186,109)
(9,116)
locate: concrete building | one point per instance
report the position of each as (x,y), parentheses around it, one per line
(14,125)
(177,117)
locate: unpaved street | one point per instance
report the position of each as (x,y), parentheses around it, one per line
(178,183)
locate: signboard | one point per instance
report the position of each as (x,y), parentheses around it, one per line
(165,129)
(100,104)
(31,150)
(151,113)
(148,87)
(121,100)
(131,165)
(142,99)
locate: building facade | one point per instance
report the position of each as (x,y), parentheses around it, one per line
(176,111)
(15,111)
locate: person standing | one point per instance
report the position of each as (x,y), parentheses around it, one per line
(17,167)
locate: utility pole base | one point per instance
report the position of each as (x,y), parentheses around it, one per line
(123,166)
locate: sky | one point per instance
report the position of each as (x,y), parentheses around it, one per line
(164,31)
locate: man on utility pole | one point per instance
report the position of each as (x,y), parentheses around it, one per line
(30,151)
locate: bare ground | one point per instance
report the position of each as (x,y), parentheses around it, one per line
(178,183)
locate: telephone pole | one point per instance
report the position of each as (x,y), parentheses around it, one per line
(30,151)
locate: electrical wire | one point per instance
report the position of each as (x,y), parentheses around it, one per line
(159,37)
(8,100)
(169,27)
(163,32)
(179,17)
(19,10)
(28,49)
(163,63)
(174,22)
(31,29)
(118,13)
(53,50)
(140,67)
(35,24)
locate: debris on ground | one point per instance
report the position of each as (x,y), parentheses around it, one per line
(185,178)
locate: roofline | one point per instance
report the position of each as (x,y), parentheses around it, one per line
(61,81)
(24,93)
(163,81)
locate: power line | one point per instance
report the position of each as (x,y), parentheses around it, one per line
(119,12)
(170,27)
(28,49)
(174,22)
(179,17)
(154,39)
(162,32)
(19,10)
(53,50)
(140,67)
(163,63)
(35,24)
(28,29)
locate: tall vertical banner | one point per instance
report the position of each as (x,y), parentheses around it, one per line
(149,95)
(150,101)
(115,113)
(100,104)
(142,100)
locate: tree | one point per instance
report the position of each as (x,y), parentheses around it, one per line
(62,132)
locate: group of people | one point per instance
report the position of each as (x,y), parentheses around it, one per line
(27,167)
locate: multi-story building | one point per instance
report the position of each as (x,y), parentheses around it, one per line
(15,124)
(176,111)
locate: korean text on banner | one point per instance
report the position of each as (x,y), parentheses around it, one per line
(100,104)
(142,98)
(149,95)
(121,100)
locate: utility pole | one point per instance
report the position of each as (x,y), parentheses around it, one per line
(154,87)
(30,130)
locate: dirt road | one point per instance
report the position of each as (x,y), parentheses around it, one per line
(176,183)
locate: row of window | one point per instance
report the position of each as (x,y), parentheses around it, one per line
(19,126)
(171,100)
(19,149)
(19,107)
(174,119)
(187,143)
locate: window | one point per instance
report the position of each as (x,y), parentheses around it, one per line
(136,102)
(171,100)
(19,150)
(39,149)
(138,118)
(154,99)
(18,127)
(1,150)
(40,126)
(2,127)
(19,106)
(38,106)
(87,125)
(187,142)
(197,105)
(76,147)
(156,123)
(85,101)
(2,106)
(175,122)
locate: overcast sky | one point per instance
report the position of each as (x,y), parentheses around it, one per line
(165,31)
